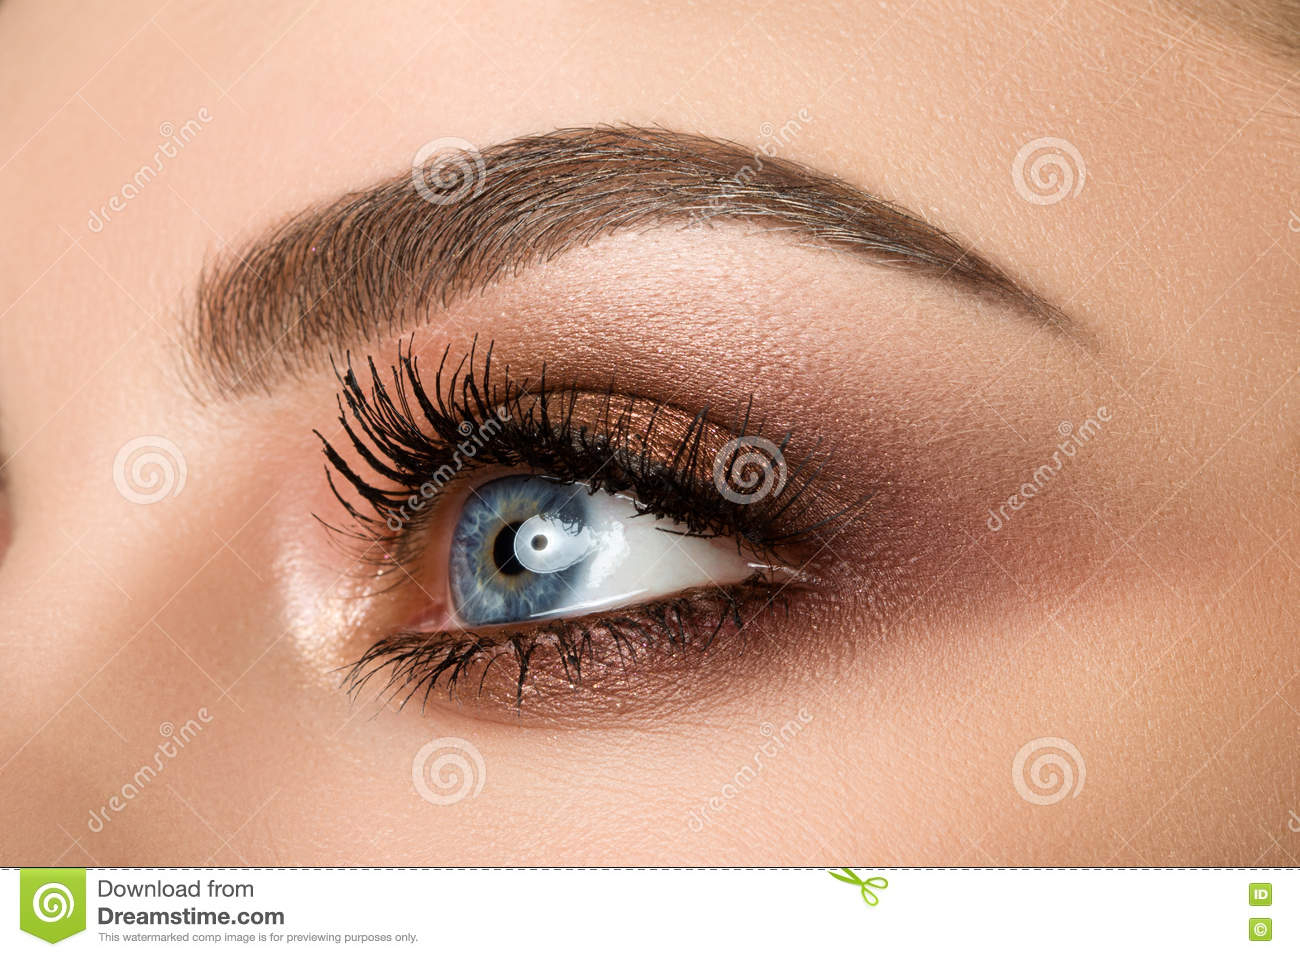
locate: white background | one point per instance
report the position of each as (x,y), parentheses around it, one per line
(788,912)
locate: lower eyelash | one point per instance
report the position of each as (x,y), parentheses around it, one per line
(418,663)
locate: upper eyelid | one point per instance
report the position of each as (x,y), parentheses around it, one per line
(374,259)
(569,444)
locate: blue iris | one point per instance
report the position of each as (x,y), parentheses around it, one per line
(510,534)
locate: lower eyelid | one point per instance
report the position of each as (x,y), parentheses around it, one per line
(625,661)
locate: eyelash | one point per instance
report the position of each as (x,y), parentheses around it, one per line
(408,434)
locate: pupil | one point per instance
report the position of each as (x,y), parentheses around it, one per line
(503,551)
(538,542)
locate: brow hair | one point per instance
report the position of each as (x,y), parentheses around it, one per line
(1271,25)
(378,260)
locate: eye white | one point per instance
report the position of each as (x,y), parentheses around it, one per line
(628,556)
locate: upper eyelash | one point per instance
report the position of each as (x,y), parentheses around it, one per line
(406,434)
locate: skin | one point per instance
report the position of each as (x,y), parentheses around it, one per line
(1140,605)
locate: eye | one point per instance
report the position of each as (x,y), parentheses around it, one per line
(526,548)
(534,542)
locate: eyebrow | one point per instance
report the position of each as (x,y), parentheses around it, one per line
(378,260)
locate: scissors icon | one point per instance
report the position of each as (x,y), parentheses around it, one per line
(866,886)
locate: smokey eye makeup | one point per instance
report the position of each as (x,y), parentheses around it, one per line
(533,537)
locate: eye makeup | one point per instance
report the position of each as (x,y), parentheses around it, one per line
(554,535)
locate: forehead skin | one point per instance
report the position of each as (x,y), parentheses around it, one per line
(1180,252)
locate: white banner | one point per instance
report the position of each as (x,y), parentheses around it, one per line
(788,912)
